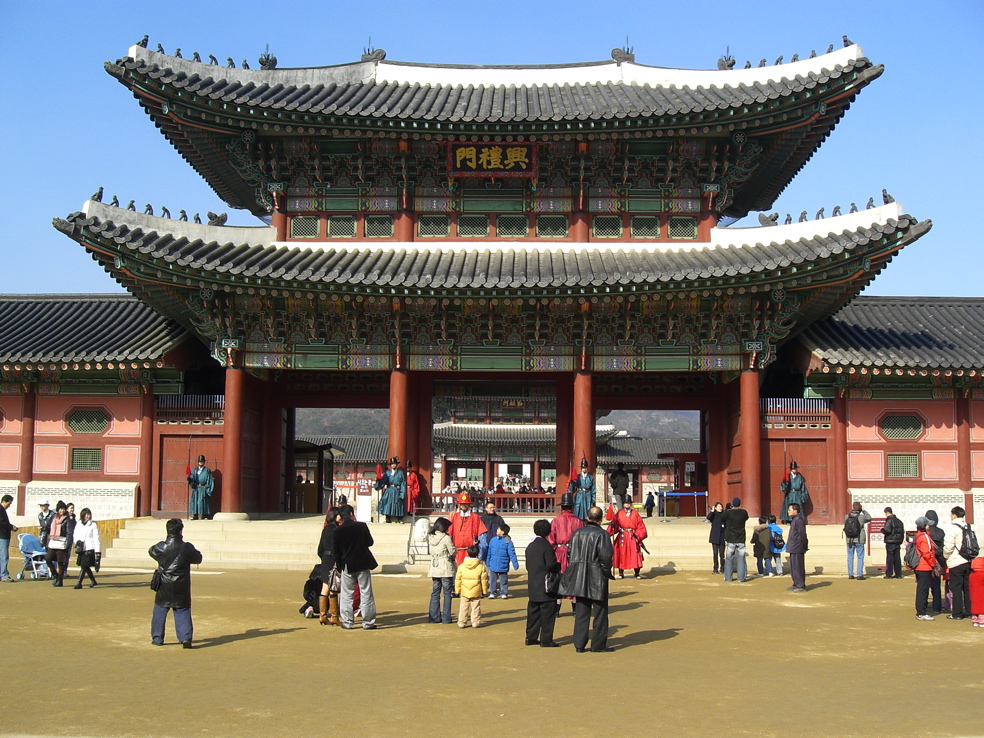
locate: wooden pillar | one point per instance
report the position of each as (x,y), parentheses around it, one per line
(717,465)
(445,473)
(751,443)
(272,472)
(565,419)
(964,470)
(146,479)
(399,388)
(290,484)
(403,227)
(838,467)
(278,219)
(232,441)
(584,421)
(488,477)
(580,227)
(29,415)
(537,475)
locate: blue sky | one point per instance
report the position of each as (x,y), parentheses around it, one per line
(67,127)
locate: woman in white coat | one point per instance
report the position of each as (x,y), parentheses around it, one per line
(441,571)
(87,546)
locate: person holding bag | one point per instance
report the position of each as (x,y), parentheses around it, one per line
(544,579)
(59,544)
(926,567)
(87,546)
(330,576)
(441,571)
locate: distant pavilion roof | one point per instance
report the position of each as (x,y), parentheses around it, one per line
(629,450)
(353,448)
(88,328)
(902,333)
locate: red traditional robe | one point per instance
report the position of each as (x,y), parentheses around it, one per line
(413,491)
(628,531)
(465,530)
(561,530)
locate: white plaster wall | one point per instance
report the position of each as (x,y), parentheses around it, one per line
(107,500)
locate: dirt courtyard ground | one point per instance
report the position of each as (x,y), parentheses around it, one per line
(695,656)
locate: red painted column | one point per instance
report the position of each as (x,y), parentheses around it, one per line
(399,389)
(751,443)
(717,465)
(403,227)
(580,228)
(278,218)
(584,421)
(488,477)
(28,418)
(964,471)
(232,440)
(290,486)
(838,471)
(536,476)
(147,407)
(565,420)
(272,468)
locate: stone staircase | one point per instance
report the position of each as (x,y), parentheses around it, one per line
(291,542)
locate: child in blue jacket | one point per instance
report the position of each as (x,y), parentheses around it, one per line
(773,550)
(501,551)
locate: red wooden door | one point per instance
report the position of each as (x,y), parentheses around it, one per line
(176,453)
(811,458)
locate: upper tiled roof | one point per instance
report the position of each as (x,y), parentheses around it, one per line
(251,252)
(398,90)
(354,448)
(73,328)
(902,332)
(644,450)
(450,433)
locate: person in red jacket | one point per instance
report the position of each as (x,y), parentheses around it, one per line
(466,527)
(413,488)
(925,568)
(562,528)
(977,592)
(628,531)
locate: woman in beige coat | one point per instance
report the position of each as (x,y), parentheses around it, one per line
(441,571)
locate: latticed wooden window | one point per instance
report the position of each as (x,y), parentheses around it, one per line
(433,226)
(682,227)
(341,226)
(87,459)
(902,465)
(379,226)
(551,226)
(607,226)
(304,226)
(473,226)
(512,226)
(88,421)
(901,427)
(645,226)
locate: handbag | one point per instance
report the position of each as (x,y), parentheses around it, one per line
(155,580)
(551,583)
(335,581)
(58,544)
(79,547)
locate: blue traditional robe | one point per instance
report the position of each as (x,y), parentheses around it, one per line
(584,495)
(202,484)
(393,501)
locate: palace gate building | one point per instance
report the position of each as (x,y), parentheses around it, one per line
(535,244)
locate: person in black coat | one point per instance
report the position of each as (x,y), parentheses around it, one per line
(354,560)
(937,535)
(174,558)
(541,612)
(589,564)
(716,537)
(327,600)
(796,547)
(894,536)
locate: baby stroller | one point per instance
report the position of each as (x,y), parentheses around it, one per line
(33,553)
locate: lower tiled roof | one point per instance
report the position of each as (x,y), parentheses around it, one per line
(902,332)
(73,328)
(630,450)
(354,448)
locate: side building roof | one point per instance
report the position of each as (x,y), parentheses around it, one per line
(901,333)
(90,328)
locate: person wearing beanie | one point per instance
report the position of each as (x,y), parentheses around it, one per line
(925,567)
(854,523)
(796,547)
(174,558)
(734,541)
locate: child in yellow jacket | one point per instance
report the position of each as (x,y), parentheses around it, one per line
(471,583)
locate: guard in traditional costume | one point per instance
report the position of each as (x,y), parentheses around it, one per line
(562,528)
(202,485)
(628,531)
(793,488)
(584,492)
(466,527)
(393,501)
(413,488)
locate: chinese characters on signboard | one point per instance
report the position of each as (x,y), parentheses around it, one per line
(492,159)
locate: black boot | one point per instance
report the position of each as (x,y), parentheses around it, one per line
(78,585)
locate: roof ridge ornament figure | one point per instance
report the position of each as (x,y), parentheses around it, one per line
(625,54)
(116,202)
(131,206)
(245,64)
(778,62)
(748,64)
(195,56)
(789,219)
(230,63)
(813,53)
(160,50)
(198,219)
(267,61)
(802,217)
(97,196)
(213,60)
(148,209)
(871,203)
(217,220)
(830,49)
(837,211)
(796,58)
(886,198)
(854,207)
(182,215)
(727,61)
(762,63)
(847,41)
(369,54)
(819,215)
(177,53)
(165,213)
(142,43)
(768,220)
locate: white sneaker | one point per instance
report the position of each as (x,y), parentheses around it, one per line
(771,574)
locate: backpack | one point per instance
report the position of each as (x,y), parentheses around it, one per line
(778,542)
(852,526)
(969,548)
(912,557)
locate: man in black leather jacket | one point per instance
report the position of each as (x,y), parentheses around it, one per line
(589,557)
(174,558)
(894,532)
